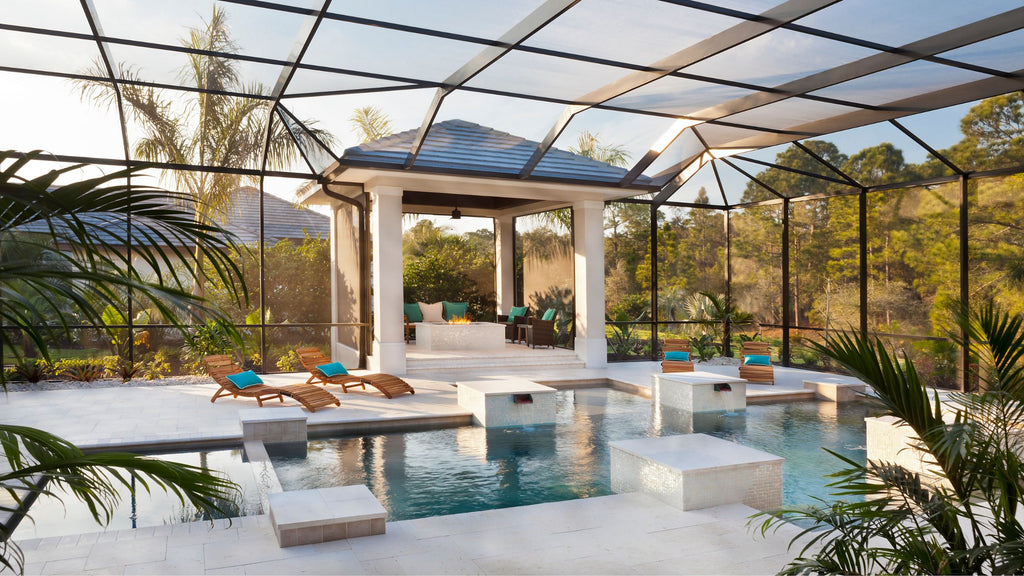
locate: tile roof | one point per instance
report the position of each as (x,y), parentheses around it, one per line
(283,220)
(466,146)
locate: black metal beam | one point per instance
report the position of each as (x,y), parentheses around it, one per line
(827,164)
(940,157)
(862,234)
(718,179)
(793,170)
(515,36)
(944,41)
(729,38)
(965,282)
(755,179)
(787,306)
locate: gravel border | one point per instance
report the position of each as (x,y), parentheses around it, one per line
(104,383)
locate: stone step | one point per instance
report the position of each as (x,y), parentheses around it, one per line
(477,365)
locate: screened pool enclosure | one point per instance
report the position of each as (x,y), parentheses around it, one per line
(819,165)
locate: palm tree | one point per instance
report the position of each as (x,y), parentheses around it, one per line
(589,144)
(213,129)
(965,519)
(370,123)
(62,263)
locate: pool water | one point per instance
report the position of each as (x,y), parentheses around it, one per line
(465,469)
(50,517)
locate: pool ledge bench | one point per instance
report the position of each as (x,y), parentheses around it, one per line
(695,471)
(321,515)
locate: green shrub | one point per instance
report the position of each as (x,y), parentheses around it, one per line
(156,366)
(202,341)
(121,367)
(31,370)
(80,370)
(288,362)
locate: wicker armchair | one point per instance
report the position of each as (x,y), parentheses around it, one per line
(511,328)
(540,333)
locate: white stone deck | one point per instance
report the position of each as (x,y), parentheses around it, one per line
(618,534)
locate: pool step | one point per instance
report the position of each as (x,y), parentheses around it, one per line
(512,357)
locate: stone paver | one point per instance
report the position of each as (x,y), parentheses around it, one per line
(619,534)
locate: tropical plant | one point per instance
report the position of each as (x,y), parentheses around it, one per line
(288,362)
(623,340)
(79,369)
(370,123)
(95,479)
(704,347)
(589,144)
(204,340)
(963,516)
(156,366)
(121,367)
(63,262)
(712,315)
(31,370)
(214,129)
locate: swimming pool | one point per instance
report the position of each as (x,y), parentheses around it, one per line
(52,518)
(454,470)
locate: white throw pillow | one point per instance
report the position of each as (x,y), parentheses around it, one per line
(432,312)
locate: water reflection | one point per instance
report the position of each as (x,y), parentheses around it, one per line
(453,470)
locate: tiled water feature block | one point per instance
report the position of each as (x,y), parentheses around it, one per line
(694,471)
(472,336)
(313,516)
(508,402)
(273,425)
(699,392)
(836,391)
(889,439)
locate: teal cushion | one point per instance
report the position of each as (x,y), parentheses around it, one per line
(332,369)
(413,312)
(677,355)
(757,360)
(243,379)
(518,312)
(455,310)
(549,314)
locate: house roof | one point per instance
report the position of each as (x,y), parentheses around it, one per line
(458,145)
(283,220)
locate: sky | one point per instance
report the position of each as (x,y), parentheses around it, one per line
(51,115)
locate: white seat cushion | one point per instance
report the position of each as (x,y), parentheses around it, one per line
(432,312)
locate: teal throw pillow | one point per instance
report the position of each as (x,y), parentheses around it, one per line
(455,310)
(413,312)
(757,360)
(677,355)
(518,312)
(332,369)
(244,379)
(549,314)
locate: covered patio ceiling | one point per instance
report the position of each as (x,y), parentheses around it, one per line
(678,83)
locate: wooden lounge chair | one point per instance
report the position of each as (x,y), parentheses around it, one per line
(762,374)
(220,366)
(676,345)
(389,385)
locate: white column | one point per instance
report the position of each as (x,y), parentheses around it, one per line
(504,263)
(345,298)
(588,234)
(386,236)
